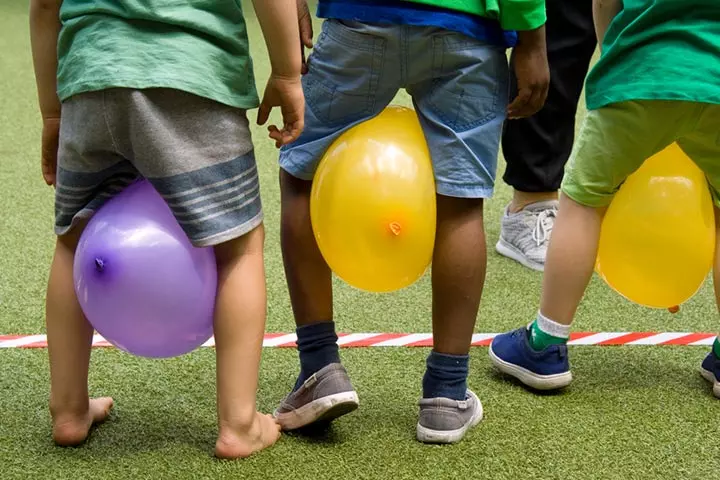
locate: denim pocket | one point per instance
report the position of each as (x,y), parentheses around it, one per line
(470,81)
(344,69)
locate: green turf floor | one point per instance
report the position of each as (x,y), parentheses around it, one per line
(633,412)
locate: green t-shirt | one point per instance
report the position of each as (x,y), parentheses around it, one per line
(659,50)
(197,46)
(512,14)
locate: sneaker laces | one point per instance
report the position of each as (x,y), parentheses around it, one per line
(544,225)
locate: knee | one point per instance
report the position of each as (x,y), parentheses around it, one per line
(252,243)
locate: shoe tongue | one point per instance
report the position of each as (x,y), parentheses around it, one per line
(545,205)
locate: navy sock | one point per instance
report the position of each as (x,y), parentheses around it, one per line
(446,376)
(318,348)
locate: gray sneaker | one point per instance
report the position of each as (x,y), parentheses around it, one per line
(525,235)
(443,420)
(325,396)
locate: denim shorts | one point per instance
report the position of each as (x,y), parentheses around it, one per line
(459,88)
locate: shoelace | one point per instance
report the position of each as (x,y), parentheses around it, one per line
(544,225)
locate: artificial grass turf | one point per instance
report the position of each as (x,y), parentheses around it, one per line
(635,412)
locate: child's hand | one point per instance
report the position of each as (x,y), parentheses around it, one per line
(49,149)
(306,30)
(532,72)
(286,93)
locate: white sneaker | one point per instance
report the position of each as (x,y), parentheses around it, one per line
(525,235)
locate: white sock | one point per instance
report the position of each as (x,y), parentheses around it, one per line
(552,328)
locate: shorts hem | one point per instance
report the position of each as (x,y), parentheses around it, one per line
(207,241)
(84,214)
(459,191)
(296,171)
(601,202)
(228,235)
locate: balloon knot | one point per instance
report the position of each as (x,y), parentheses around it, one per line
(395,228)
(99,264)
(674,309)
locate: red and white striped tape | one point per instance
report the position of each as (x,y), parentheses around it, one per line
(356,340)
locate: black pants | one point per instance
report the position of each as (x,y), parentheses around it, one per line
(537,148)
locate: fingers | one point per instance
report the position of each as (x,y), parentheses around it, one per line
(303,67)
(306,32)
(305,24)
(49,150)
(293,130)
(528,102)
(519,106)
(287,135)
(48,173)
(263,112)
(275,134)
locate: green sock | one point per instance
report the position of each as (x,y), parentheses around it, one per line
(716,347)
(544,332)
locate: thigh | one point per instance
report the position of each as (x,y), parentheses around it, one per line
(702,145)
(350,79)
(614,142)
(90,169)
(462,107)
(198,155)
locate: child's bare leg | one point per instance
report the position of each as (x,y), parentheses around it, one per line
(458,273)
(69,341)
(570,259)
(716,277)
(537,355)
(239,329)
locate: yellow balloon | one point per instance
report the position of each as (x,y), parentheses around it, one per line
(658,236)
(373,203)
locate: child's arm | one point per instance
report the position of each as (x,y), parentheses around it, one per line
(306,30)
(44,30)
(279,23)
(532,72)
(603,13)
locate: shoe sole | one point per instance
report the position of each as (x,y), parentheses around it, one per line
(710,377)
(504,248)
(323,409)
(428,435)
(531,379)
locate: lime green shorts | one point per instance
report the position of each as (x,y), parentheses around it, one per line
(616,139)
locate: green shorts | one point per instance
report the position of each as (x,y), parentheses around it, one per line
(616,139)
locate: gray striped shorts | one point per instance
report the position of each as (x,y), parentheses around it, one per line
(196,152)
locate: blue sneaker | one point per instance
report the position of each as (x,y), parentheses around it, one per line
(710,370)
(547,369)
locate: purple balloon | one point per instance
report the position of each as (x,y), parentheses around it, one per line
(140,282)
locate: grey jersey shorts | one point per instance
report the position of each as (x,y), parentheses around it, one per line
(196,152)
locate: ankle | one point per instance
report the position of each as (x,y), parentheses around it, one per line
(72,408)
(241,422)
(521,200)
(545,332)
(446,376)
(317,347)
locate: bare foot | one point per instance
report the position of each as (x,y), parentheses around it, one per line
(241,443)
(70,429)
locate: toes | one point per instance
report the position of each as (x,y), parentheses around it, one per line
(275,426)
(100,408)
